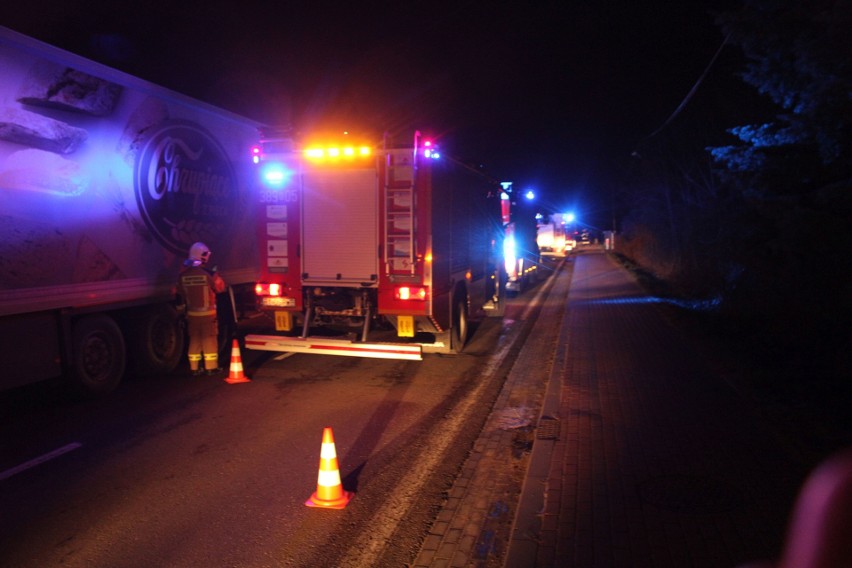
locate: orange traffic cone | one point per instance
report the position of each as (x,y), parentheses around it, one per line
(329,493)
(236,375)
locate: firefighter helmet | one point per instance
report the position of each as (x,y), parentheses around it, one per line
(199,254)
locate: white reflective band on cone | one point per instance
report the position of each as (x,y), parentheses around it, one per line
(328,478)
(328,452)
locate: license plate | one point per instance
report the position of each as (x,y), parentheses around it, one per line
(278,302)
(283,321)
(405,326)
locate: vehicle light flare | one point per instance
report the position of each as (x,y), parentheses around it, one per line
(275,175)
(430,150)
(410,293)
(509,257)
(268,289)
(336,152)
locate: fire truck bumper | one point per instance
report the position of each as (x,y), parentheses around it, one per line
(325,346)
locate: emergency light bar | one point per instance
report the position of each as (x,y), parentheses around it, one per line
(317,153)
(430,150)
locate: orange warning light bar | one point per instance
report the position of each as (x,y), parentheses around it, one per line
(337,153)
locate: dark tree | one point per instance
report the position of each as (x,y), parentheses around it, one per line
(799,55)
(746,194)
(794,173)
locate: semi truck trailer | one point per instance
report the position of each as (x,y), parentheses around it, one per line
(106,180)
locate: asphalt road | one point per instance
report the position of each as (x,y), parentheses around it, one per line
(180,471)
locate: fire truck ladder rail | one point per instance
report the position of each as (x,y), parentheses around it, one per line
(399,212)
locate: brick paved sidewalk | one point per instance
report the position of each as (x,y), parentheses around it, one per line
(658,463)
(474,525)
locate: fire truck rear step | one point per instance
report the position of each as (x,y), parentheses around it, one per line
(326,346)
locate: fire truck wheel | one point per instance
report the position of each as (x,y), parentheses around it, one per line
(99,354)
(458,335)
(157,342)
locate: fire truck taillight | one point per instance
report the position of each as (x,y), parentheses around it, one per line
(267,289)
(255,154)
(410,293)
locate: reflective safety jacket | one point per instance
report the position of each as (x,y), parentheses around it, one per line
(198,287)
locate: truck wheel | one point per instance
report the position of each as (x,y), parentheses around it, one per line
(499,294)
(158,341)
(99,354)
(226,327)
(227,332)
(458,334)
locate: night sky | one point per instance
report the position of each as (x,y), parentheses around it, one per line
(550,95)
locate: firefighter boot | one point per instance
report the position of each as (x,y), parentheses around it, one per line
(211,362)
(195,367)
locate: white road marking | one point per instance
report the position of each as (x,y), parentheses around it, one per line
(40,460)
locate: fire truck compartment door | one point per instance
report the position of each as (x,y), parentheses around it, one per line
(340,230)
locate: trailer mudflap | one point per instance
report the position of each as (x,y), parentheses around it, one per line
(326,346)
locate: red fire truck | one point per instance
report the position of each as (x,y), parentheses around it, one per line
(370,237)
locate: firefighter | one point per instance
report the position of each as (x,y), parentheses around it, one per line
(197,289)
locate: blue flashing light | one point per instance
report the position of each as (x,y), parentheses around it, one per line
(430,150)
(275,175)
(530,194)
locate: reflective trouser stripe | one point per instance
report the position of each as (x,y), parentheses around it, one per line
(201,312)
(202,337)
(194,357)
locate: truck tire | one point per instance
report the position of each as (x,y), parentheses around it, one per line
(99,354)
(158,341)
(499,293)
(226,327)
(460,329)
